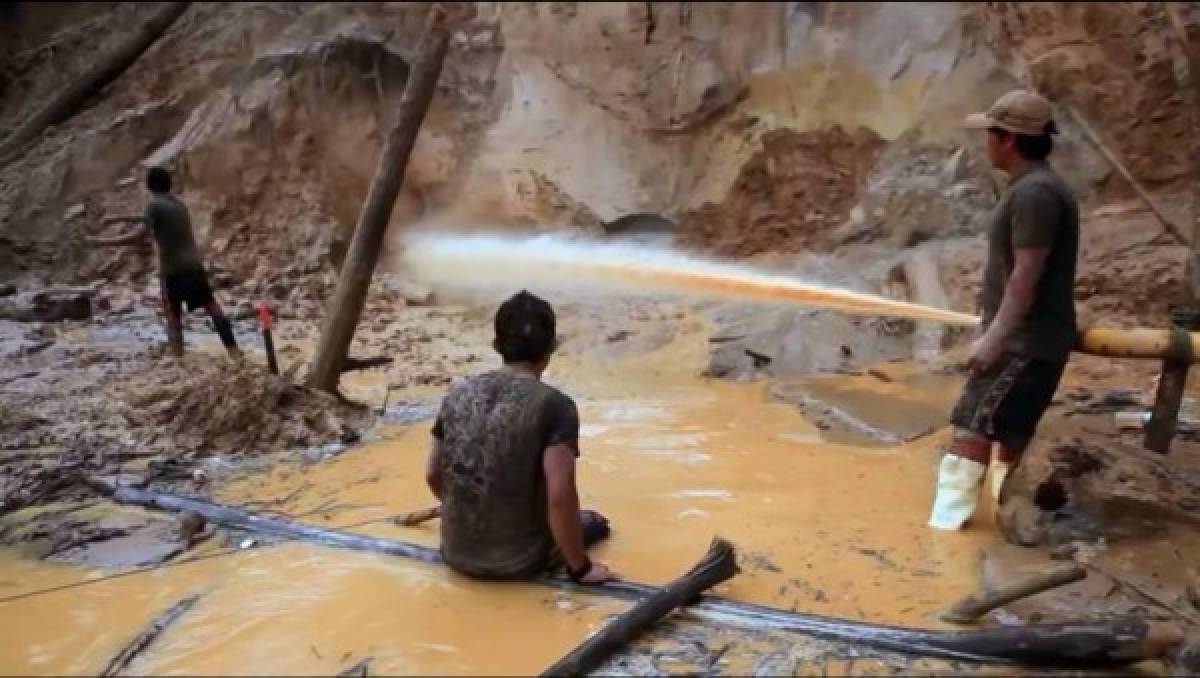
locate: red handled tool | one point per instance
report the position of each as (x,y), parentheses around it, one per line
(264,322)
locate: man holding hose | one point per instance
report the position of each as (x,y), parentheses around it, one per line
(1027,303)
(183,279)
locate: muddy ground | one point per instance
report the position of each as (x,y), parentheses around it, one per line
(99,398)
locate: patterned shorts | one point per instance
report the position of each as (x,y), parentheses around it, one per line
(1006,404)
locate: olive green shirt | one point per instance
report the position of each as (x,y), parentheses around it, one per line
(171,225)
(1038,210)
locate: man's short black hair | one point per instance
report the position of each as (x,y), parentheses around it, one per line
(158,180)
(525,329)
(1031,147)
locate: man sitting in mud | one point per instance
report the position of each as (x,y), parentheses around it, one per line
(1028,308)
(503,462)
(182,277)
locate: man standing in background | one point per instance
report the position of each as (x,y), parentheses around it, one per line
(180,266)
(1028,308)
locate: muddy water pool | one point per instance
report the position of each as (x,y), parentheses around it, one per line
(670,458)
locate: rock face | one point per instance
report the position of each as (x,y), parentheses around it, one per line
(751,139)
(789,196)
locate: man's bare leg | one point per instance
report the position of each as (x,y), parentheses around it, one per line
(960,478)
(1007,456)
(173,312)
(224,328)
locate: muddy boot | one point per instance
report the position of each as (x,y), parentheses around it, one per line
(1000,471)
(959,483)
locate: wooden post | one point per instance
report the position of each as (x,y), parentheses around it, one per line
(717,565)
(105,68)
(1172,381)
(346,306)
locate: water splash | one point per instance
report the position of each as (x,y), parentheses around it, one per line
(489,262)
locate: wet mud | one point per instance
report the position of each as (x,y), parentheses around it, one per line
(828,518)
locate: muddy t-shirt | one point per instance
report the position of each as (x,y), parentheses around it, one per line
(172,228)
(1038,210)
(494,428)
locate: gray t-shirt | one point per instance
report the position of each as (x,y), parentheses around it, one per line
(495,428)
(1037,210)
(168,220)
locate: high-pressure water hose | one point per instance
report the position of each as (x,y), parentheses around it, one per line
(1141,342)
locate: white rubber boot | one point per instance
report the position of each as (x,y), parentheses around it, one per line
(959,483)
(1000,471)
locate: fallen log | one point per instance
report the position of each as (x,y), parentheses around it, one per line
(1117,641)
(145,638)
(105,69)
(718,565)
(978,604)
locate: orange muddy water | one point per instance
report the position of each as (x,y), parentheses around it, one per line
(670,458)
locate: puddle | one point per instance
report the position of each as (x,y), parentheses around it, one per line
(292,609)
(869,411)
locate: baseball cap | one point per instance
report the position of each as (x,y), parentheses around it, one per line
(1020,112)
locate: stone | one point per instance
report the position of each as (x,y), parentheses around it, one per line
(1068,490)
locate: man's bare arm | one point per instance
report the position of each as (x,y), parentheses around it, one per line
(563,504)
(139,232)
(1019,294)
(562,497)
(433,468)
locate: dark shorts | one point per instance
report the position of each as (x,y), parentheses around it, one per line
(189,286)
(1006,404)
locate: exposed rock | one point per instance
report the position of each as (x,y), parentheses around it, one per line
(789,195)
(918,191)
(1065,490)
(798,342)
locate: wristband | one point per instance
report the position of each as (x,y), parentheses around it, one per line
(578,575)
